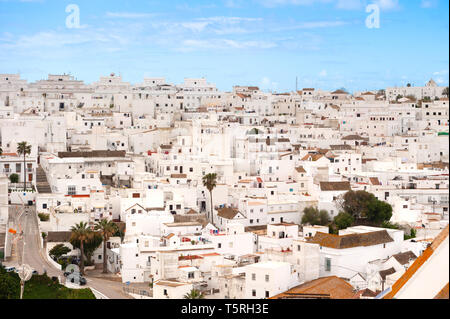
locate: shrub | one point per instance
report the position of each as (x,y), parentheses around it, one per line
(14,178)
(343,220)
(44,217)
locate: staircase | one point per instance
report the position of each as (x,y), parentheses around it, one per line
(42,184)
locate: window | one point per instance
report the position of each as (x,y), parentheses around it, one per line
(253,276)
(298,247)
(165,292)
(267,278)
(44,206)
(267,294)
(71,190)
(327,264)
(191,275)
(219,245)
(254,293)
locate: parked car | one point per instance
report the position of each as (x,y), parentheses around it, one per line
(11,269)
(81,280)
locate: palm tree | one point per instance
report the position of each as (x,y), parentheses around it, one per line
(194,294)
(106,229)
(209,181)
(81,233)
(24,148)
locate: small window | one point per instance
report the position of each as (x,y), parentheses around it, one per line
(327,264)
(253,276)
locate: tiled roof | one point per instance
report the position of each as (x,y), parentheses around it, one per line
(335,186)
(368,293)
(326,288)
(417,263)
(340,147)
(443,294)
(314,157)
(351,240)
(405,258)
(339,92)
(178,176)
(227,212)
(300,169)
(387,272)
(352,138)
(374,181)
(92,154)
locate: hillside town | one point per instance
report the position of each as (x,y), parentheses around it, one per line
(157,190)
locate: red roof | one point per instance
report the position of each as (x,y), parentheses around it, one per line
(259,180)
(210,254)
(79,196)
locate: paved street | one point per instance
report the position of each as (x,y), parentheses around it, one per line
(34,255)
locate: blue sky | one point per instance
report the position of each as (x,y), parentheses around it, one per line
(325,43)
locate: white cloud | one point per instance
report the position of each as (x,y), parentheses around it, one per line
(428,4)
(191,45)
(349,4)
(267,84)
(323,73)
(276,3)
(387,4)
(130,15)
(195,26)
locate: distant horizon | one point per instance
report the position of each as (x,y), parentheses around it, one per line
(212,82)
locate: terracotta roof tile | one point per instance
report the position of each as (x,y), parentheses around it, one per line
(351,240)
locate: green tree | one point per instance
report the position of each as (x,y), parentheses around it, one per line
(312,216)
(58,251)
(355,203)
(364,205)
(210,182)
(1,151)
(378,211)
(82,234)
(14,178)
(23,148)
(106,229)
(89,246)
(194,294)
(343,220)
(445,92)
(324,217)
(9,285)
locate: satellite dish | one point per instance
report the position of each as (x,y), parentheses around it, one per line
(25,272)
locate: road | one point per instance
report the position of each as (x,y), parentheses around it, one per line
(35,256)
